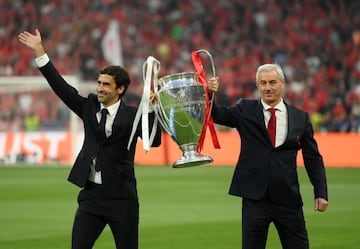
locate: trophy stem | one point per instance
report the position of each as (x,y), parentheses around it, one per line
(191,157)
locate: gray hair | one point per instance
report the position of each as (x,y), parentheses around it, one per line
(270,67)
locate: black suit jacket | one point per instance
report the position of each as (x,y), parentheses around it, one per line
(117,162)
(262,169)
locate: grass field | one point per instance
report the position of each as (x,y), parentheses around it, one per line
(179,209)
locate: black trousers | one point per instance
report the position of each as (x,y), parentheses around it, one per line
(96,210)
(289,222)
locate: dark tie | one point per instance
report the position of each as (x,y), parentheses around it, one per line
(101,127)
(101,131)
(272,126)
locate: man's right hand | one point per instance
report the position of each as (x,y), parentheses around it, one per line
(32,41)
(213,84)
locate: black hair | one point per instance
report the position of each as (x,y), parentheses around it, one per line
(119,74)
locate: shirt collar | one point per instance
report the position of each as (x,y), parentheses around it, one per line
(280,106)
(112,108)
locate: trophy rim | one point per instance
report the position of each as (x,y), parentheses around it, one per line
(179,74)
(165,80)
(177,80)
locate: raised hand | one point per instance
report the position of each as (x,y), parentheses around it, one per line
(32,41)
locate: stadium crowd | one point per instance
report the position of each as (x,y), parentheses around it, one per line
(317,43)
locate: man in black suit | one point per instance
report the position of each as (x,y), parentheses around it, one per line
(266,172)
(104,168)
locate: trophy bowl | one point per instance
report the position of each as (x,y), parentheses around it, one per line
(181,108)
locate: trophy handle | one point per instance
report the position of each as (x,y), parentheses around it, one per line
(158,110)
(211,59)
(213,75)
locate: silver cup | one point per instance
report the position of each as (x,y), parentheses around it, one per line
(181,109)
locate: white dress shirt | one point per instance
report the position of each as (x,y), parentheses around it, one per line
(281,121)
(95,176)
(42,60)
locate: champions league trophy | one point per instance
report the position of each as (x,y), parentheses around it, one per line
(183,108)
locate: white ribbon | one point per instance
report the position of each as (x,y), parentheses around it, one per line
(151,70)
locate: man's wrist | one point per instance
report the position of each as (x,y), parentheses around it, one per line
(42,60)
(39,50)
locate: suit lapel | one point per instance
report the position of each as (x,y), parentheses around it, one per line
(292,136)
(290,119)
(93,120)
(293,119)
(119,119)
(259,113)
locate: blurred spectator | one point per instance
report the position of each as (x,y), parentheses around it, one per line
(317,42)
(32,122)
(339,117)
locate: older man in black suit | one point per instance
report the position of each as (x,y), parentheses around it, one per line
(272,132)
(104,168)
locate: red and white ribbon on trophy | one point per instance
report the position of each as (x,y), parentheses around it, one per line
(151,70)
(208,123)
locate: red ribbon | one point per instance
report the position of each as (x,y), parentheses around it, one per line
(208,119)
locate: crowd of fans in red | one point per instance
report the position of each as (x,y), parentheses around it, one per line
(317,43)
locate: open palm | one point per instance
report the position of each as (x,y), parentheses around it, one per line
(30,40)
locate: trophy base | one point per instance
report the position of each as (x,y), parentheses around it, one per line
(192,159)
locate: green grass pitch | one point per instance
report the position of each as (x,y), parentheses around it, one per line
(179,209)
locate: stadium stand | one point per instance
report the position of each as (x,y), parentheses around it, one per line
(317,42)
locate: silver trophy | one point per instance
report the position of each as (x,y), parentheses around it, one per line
(181,109)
